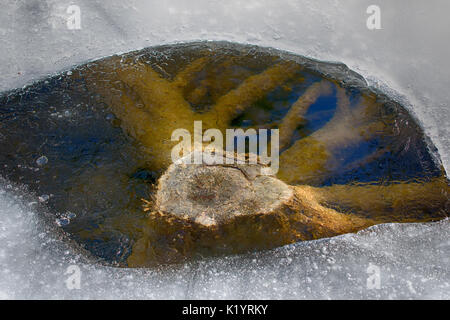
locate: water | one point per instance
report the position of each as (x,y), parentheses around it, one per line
(61,141)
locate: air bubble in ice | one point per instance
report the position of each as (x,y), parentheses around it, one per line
(42,161)
(62,222)
(65,218)
(70,215)
(44,198)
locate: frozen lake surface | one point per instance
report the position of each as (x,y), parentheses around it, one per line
(407,58)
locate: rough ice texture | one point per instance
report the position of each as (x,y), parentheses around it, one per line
(409,56)
(413,260)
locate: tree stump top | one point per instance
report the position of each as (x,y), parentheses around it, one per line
(215,194)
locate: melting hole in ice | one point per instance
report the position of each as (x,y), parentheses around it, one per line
(93,142)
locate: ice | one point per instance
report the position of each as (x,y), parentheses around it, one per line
(407,58)
(412,259)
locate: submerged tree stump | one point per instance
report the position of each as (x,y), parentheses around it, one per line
(222,208)
(215,194)
(203,209)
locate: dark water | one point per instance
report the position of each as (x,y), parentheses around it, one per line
(94,175)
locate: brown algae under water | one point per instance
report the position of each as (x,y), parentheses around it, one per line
(94,142)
